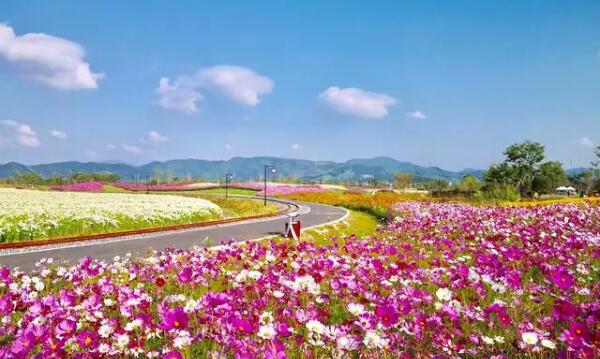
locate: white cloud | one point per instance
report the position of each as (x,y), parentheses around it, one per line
(240,84)
(587,142)
(357,102)
(58,134)
(153,136)
(296,147)
(23,133)
(133,149)
(51,60)
(180,95)
(417,115)
(228,147)
(111,147)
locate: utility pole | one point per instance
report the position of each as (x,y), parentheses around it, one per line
(265,190)
(227,177)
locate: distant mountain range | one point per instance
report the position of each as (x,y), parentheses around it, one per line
(248,168)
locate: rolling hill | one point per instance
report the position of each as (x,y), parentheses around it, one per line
(248,168)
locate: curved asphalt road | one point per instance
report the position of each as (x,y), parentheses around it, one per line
(107,249)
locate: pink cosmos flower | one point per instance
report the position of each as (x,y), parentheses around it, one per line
(174,354)
(66,327)
(564,310)
(87,339)
(23,344)
(242,326)
(562,279)
(185,275)
(175,319)
(387,314)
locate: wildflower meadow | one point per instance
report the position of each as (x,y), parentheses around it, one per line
(437,280)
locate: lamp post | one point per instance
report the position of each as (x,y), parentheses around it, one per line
(272,171)
(227,177)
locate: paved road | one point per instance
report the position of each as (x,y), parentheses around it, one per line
(319,214)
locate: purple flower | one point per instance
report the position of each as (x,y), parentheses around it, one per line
(185,275)
(174,354)
(87,339)
(562,279)
(66,327)
(242,326)
(23,344)
(387,314)
(564,310)
(175,319)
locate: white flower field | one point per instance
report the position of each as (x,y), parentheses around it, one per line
(30,214)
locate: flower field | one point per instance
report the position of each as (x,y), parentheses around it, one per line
(29,214)
(183,186)
(278,188)
(439,280)
(79,187)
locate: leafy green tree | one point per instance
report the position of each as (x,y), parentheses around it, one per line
(550,176)
(28,178)
(498,175)
(469,183)
(436,185)
(525,159)
(403,180)
(522,169)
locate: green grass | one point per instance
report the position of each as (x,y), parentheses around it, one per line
(241,207)
(358,223)
(114,189)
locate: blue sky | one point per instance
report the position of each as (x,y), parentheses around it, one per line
(449,84)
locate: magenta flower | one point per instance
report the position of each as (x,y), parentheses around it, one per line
(87,339)
(66,327)
(562,279)
(185,275)
(23,344)
(175,319)
(577,334)
(579,330)
(387,314)
(242,326)
(564,310)
(174,354)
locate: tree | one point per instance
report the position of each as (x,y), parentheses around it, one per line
(596,163)
(469,183)
(583,181)
(550,176)
(519,169)
(403,180)
(436,185)
(525,159)
(498,175)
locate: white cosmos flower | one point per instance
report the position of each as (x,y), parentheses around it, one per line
(105,331)
(529,338)
(443,294)
(548,344)
(122,340)
(373,340)
(266,332)
(487,340)
(315,326)
(356,309)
